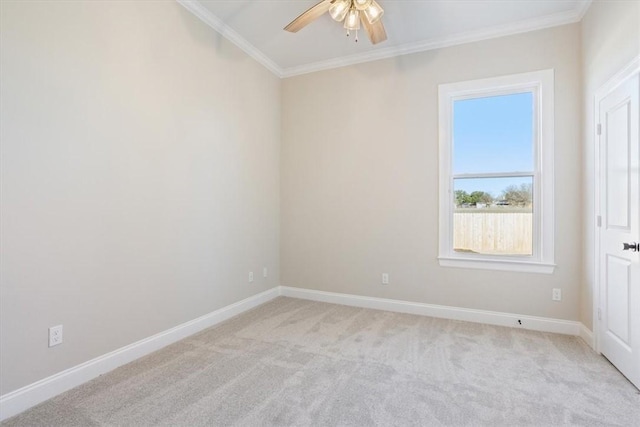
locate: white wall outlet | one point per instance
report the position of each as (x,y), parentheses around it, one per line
(385,278)
(556,294)
(55,335)
(251,277)
(264,272)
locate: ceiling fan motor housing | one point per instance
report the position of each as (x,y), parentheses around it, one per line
(362,4)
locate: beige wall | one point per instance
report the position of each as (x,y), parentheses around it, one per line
(140,177)
(359,177)
(141,165)
(610,41)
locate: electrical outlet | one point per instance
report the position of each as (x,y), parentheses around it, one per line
(251,277)
(385,278)
(264,272)
(556,294)
(55,335)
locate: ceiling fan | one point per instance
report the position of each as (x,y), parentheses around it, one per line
(353,12)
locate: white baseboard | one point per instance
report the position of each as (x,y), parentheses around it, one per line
(543,324)
(19,400)
(587,336)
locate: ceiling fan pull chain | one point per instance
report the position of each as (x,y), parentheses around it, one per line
(356,36)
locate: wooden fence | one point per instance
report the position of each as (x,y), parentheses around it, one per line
(493,232)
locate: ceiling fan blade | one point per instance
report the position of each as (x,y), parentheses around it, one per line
(308,16)
(376,32)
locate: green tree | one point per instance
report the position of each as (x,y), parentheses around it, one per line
(480,197)
(462,197)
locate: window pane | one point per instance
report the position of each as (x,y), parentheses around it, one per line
(493,215)
(493,134)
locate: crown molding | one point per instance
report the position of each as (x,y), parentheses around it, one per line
(562,18)
(230,34)
(554,20)
(583,8)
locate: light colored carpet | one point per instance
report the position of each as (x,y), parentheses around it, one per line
(295,362)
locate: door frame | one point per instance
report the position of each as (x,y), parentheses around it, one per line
(612,84)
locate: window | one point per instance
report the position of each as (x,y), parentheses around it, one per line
(496,173)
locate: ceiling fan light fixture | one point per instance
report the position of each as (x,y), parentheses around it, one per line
(349,11)
(373,12)
(352,21)
(339,9)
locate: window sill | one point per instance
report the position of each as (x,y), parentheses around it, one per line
(502,265)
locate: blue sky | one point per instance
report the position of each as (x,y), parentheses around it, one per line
(493,134)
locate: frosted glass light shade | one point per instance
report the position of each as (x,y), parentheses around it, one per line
(339,9)
(374,12)
(352,21)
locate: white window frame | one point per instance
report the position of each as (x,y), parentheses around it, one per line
(541,84)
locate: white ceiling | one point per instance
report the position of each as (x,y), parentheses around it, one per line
(256,26)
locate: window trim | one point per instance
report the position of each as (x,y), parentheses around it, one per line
(541,83)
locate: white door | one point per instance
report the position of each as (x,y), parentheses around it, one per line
(619,255)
